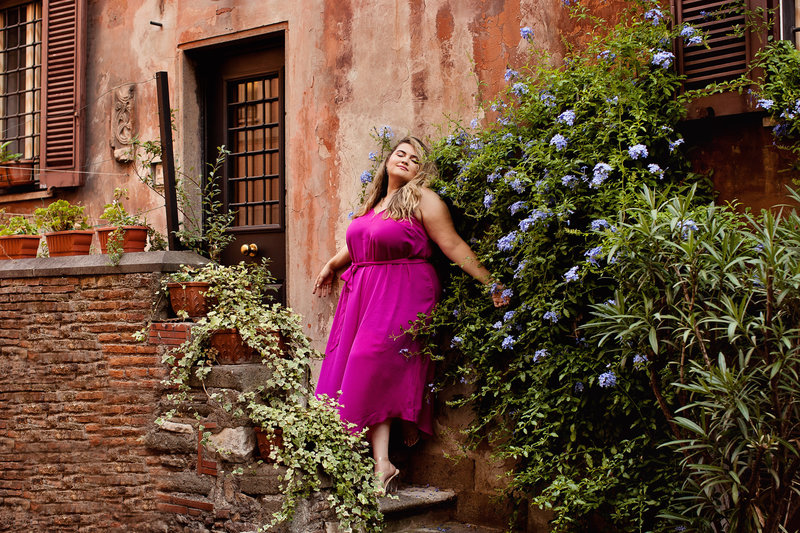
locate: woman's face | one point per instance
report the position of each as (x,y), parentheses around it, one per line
(403,163)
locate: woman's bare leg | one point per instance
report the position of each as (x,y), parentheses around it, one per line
(379,438)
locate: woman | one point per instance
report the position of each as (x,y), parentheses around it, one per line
(375,370)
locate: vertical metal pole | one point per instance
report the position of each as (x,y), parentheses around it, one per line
(167,159)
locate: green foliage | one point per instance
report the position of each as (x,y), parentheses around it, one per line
(317,448)
(706,310)
(535,192)
(204,225)
(6,155)
(116,214)
(61,216)
(16,225)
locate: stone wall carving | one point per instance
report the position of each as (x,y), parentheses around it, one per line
(122,125)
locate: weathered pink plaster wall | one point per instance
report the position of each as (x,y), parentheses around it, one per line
(350,65)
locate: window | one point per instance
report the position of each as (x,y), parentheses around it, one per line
(20,78)
(730,49)
(42,63)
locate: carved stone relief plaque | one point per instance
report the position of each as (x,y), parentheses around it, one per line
(122,130)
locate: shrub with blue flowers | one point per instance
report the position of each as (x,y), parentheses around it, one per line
(536,190)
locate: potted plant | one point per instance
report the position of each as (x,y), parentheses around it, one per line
(19,238)
(125,233)
(14,172)
(66,228)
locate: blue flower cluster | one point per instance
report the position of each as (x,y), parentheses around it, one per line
(674,144)
(600,174)
(594,255)
(599,224)
(765,103)
(517,185)
(567,117)
(526,33)
(526,223)
(491,178)
(691,35)
(663,59)
(517,206)
(655,169)
(606,55)
(638,151)
(639,361)
(686,226)
(552,316)
(511,74)
(655,15)
(373,156)
(572,274)
(547,98)
(607,379)
(508,342)
(559,141)
(366,177)
(506,243)
(520,267)
(457,341)
(508,316)
(569,181)
(539,355)
(386,132)
(519,89)
(487,200)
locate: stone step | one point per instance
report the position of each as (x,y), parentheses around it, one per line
(416,509)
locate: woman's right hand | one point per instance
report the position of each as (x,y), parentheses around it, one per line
(324,282)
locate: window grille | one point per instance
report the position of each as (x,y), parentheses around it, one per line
(21,78)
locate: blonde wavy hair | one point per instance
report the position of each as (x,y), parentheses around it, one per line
(405,201)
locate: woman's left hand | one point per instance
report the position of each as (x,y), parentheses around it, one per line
(497,295)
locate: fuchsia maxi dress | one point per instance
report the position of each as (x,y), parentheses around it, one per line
(377,368)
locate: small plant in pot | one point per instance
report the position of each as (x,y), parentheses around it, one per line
(66,228)
(14,172)
(19,238)
(125,233)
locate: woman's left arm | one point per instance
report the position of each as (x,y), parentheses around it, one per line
(439,225)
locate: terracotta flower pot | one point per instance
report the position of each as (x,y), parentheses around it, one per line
(19,246)
(73,242)
(134,238)
(266,442)
(189,296)
(231,349)
(16,173)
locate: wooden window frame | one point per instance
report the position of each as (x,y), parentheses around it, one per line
(726,103)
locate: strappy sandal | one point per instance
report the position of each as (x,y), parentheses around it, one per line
(389,485)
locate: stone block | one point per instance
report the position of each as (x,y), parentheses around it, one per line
(264,482)
(243,378)
(429,468)
(188,482)
(538,520)
(484,509)
(235,445)
(166,441)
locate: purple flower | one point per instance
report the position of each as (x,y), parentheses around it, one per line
(765,103)
(606,55)
(547,98)
(473,123)
(600,174)
(373,156)
(599,224)
(567,117)
(572,274)
(508,342)
(511,74)
(506,243)
(694,40)
(638,151)
(520,267)
(540,354)
(492,177)
(457,341)
(366,177)
(497,325)
(507,293)
(569,181)
(663,59)
(526,33)
(675,144)
(552,316)
(386,132)
(517,185)
(639,360)
(655,169)
(516,206)
(655,15)
(686,226)
(558,141)
(578,387)
(687,31)
(519,88)
(487,200)
(594,255)
(607,379)
(508,316)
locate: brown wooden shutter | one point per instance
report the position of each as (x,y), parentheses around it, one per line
(64,52)
(727,57)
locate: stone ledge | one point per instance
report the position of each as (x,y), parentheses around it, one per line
(413,499)
(89,265)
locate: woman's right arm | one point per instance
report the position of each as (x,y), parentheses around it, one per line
(324,281)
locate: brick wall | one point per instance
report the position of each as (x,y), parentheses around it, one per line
(79,396)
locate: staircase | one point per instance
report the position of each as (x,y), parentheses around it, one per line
(416,509)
